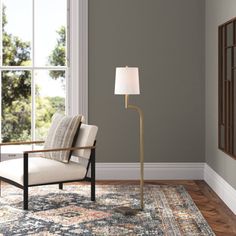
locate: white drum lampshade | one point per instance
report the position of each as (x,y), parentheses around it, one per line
(127,80)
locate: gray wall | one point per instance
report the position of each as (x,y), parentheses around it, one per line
(217,12)
(165,39)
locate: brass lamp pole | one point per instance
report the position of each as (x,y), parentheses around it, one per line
(127,83)
(128,106)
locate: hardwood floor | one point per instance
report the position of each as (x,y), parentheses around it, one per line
(217,214)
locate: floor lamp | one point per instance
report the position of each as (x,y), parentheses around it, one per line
(127,83)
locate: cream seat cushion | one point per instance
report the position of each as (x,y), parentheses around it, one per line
(42,170)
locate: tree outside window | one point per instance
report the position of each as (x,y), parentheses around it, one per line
(16,97)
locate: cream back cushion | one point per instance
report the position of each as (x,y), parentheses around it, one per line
(61,135)
(87,136)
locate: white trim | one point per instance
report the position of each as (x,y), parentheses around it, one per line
(152,171)
(224,190)
(163,171)
(78,97)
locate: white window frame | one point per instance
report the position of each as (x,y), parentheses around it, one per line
(78,54)
(77,62)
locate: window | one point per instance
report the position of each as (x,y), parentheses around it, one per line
(33,66)
(43,64)
(227,88)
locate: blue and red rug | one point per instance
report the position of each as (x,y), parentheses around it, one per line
(169,210)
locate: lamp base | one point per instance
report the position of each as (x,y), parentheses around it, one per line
(127,211)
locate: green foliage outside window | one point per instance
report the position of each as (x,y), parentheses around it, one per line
(57,57)
(16,88)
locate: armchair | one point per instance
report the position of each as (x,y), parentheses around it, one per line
(36,171)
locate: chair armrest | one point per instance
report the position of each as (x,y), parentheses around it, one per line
(59,149)
(20,143)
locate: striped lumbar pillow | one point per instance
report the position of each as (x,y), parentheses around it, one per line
(61,135)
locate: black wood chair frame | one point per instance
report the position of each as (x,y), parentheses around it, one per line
(26,185)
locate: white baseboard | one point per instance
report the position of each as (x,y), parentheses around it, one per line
(165,171)
(170,171)
(225,191)
(152,171)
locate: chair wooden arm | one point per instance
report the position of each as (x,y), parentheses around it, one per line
(20,143)
(59,149)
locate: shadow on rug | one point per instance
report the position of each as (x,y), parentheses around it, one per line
(169,210)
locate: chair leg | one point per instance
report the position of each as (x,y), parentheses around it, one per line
(93,175)
(61,186)
(26,198)
(92,191)
(26,181)
(0,180)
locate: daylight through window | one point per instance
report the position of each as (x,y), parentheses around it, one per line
(33,66)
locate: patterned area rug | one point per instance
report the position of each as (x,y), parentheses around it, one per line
(169,210)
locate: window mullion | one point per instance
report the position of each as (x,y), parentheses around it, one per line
(33,68)
(1,106)
(32,75)
(1,59)
(32,105)
(67,107)
(1,62)
(68,72)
